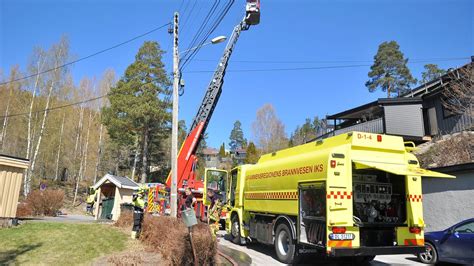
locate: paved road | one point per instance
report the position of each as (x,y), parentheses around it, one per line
(64,218)
(265,255)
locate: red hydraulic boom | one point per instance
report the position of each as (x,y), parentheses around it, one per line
(187,155)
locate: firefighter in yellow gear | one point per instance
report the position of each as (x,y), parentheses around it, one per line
(90,200)
(139,204)
(215,210)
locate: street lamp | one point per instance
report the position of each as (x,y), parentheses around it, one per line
(174,127)
(216,40)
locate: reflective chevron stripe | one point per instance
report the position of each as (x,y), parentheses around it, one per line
(338,244)
(339,195)
(414,242)
(413,198)
(272,195)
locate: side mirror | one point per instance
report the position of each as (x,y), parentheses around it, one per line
(451,230)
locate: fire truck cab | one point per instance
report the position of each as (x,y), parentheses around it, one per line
(353,195)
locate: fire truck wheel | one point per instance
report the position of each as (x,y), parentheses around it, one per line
(285,246)
(235,231)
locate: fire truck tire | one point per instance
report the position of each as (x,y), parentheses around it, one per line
(235,231)
(285,245)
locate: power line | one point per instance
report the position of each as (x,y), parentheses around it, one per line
(224,12)
(214,26)
(58,107)
(212,71)
(180,6)
(193,16)
(86,57)
(216,23)
(199,71)
(201,28)
(299,68)
(187,18)
(280,69)
(76,103)
(186,7)
(203,25)
(334,61)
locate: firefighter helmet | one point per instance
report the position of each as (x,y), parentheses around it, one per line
(142,190)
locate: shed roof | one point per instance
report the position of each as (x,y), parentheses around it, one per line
(13,161)
(119,181)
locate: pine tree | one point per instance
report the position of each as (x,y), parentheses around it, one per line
(252,153)
(237,140)
(222,151)
(431,72)
(137,105)
(389,71)
(307,132)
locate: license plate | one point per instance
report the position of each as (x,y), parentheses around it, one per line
(341,236)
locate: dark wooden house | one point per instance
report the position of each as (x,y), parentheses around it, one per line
(417,116)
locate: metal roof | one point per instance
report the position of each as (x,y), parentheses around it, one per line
(119,181)
(360,111)
(436,84)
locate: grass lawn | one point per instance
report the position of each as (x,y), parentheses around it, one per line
(58,243)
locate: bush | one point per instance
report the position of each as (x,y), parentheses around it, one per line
(170,237)
(23,210)
(205,244)
(47,202)
(125,219)
(451,150)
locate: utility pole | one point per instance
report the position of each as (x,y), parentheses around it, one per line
(174,130)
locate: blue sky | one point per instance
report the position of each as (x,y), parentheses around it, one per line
(326,33)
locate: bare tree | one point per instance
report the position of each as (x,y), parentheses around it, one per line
(78,139)
(59,147)
(106,83)
(86,151)
(59,55)
(12,85)
(459,94)
(37,67)
(78,149)
(99,152)
(268,130)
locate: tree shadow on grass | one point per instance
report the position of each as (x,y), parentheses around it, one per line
(10,256)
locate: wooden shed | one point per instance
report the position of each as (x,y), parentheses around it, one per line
(11,176)
(113,191)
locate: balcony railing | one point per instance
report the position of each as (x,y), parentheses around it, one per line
(372,126)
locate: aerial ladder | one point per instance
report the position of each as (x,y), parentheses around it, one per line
(187,159)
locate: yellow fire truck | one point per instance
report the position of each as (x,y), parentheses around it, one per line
(353,195)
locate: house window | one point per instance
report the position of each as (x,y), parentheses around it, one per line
(451,107)
(448,112)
